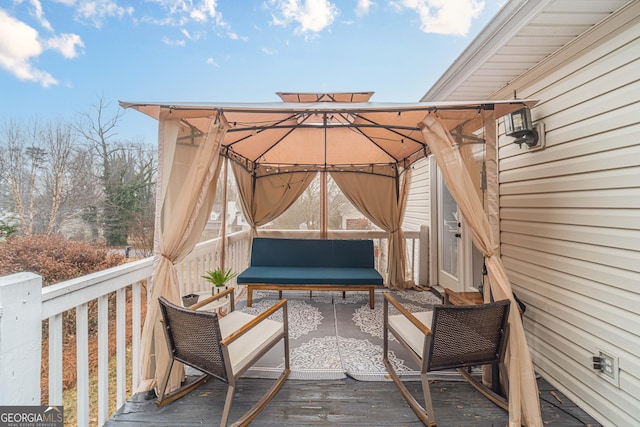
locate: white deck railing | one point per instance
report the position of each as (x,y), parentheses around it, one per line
(25,305)
(78,294)
(206,255)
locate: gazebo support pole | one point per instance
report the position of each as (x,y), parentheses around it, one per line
(324,210)
(223,225)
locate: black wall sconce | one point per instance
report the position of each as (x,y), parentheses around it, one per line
(519,126)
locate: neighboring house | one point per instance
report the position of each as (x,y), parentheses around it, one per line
(569,211)
(235,221)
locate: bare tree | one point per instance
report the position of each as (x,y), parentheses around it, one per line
(19,163)
(56,171)
(125,170)
(40,165)
(99,130)
(59,144)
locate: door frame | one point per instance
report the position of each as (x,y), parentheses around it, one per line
(465,261)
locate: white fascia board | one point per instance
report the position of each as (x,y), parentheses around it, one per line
(512,18)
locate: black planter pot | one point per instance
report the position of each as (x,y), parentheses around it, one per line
(189,300)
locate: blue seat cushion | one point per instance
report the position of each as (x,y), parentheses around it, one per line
(310,275)
(273,252)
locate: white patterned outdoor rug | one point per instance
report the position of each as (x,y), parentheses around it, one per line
(332,338)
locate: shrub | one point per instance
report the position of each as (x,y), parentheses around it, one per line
(54,258)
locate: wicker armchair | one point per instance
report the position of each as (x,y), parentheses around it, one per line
(222,347)
(445,338)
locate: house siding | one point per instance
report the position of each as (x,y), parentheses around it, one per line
(417,216)
(570,219)
(418,201)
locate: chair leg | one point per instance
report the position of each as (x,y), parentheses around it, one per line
(406,394)
(164,398)
(259,406)
(500,401)
(163,383)
(273,390)
(227,406)
(420,411)
(428,403)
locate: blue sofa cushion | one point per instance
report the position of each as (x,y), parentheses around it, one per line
(311,262)
(310,275)
(312,253)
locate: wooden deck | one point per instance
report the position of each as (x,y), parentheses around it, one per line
(342,402)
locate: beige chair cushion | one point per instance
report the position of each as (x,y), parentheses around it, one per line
(242,350)
(408,331)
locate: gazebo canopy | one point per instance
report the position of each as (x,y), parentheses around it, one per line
(277,147)
(325,132)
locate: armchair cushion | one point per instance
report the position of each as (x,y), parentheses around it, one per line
(261,336)
(408,331)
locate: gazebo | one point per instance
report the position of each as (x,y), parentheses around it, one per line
(275,150)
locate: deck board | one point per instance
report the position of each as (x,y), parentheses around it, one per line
(341,402)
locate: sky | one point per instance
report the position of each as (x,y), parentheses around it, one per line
(58,58)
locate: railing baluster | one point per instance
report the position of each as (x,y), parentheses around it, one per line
(136,312)
(55,360)
(121,347)
(82,363)
(103,359)
(190,273)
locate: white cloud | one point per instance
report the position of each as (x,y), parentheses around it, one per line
(170,42)
(363,6)
(444,16)
(39,14)
(189,35)
(19,44)
(96,11)
(66,44)
(235,36)
(183,11)
(312,16)
(211,61)
(268,51)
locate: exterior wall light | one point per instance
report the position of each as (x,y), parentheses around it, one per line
(519,126)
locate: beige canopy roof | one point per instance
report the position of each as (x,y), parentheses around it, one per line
(339,133)
(331,132)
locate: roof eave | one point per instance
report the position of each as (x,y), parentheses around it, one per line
(510,19)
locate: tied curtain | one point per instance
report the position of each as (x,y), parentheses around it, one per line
(187,174)
(524,403)
(383,201)
(265,198)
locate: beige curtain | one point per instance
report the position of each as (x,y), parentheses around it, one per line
(524,404)
(378,198)
(265,198)
(187,175)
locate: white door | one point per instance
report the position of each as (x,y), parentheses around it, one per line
(450,248)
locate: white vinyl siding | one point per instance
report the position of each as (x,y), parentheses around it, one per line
(418,201)
(570,221)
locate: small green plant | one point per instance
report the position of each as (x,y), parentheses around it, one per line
(219,276)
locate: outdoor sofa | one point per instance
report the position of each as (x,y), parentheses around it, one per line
(311,265)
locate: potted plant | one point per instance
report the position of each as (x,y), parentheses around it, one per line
(219,278)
